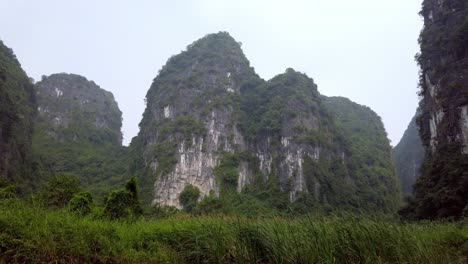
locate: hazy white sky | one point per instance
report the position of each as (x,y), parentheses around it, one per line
(360,49)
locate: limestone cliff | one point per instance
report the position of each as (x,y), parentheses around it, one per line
(188,123)
(77,131)
(213,123)
(17,111)
(441,189)
(72,108)
(408,156)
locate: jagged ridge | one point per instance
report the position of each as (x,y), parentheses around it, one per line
(208,105)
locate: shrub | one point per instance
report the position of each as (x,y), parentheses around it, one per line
(189,198)
(210,204)
(81,203)
(132,187)
(59,191)
(7,188)
(123,203)
(162,211)
(8,192)
(118,204)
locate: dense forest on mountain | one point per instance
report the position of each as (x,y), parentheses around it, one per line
(277,142)
(408,156)
(441,190)
(17,112)
(230,168)
(77,133)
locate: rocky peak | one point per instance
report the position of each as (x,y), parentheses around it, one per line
(76,109)
(212,123)
(189,120)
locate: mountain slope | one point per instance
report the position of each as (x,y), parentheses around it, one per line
(17,111)
(408,156)
(367,153)
(441,190)
(77,131)
(188,122)
(213,124)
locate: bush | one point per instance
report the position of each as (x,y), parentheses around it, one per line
(118,204)
(81,203)
(162,211)
(8,192)
(124,203)
(189,198)
(210,204)
(132,187)
(7,188)
(59,191)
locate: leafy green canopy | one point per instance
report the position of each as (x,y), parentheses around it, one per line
(59,190)
(81,203)
(189,198)
(124,203)
(367,153)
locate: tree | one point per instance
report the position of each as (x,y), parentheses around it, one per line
(132,187)
(189,198)
(210,204)
(57,192)
(81,203)
(125,202)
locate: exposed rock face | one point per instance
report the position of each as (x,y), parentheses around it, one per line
(292,135)
(208,114)
(444,76)
(441,189)
(189,122)
(17,111)
(71,108)
(408,156)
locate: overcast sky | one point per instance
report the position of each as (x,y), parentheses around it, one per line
(360,49)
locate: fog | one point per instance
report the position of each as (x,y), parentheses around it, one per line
(362,49)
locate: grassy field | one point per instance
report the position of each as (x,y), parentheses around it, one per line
(31,234)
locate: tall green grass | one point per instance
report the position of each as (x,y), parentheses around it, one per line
(30,235)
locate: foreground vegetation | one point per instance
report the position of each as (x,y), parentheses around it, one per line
(31,234)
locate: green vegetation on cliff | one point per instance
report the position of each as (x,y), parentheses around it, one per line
(77,132)
(17,112)
(265,109)
(440,191)
(367,154)
(208,106)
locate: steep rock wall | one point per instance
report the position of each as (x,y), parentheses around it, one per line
(441,189)
(189,121)
(212,123)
